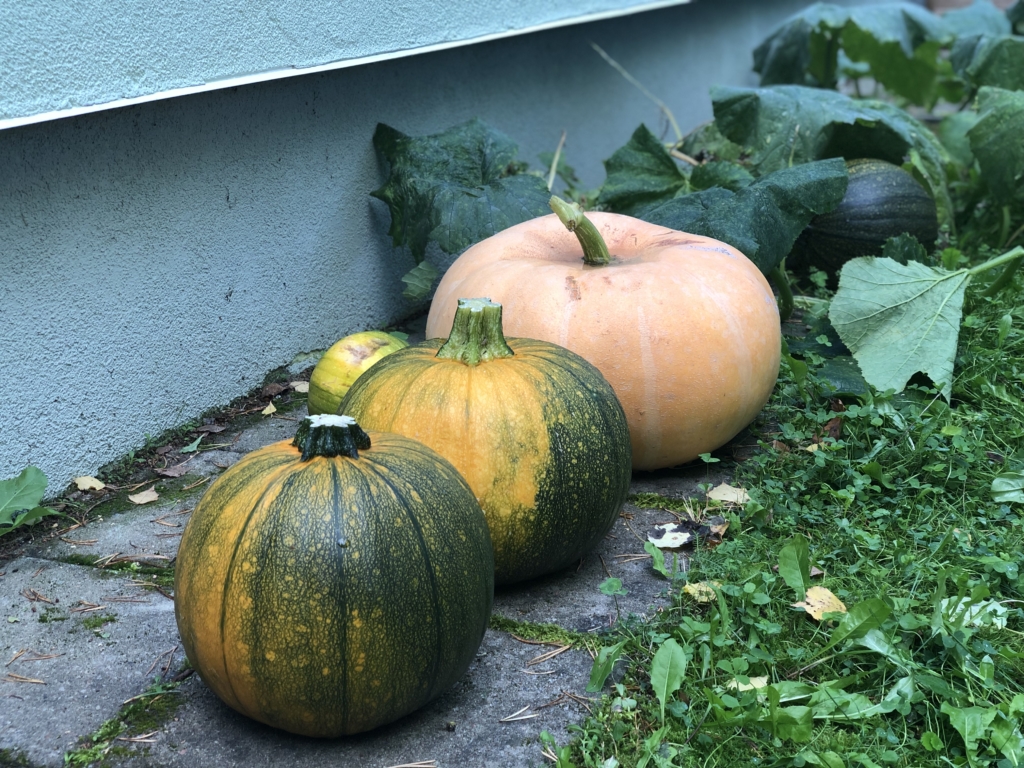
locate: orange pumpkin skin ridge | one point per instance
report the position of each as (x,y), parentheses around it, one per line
(302,633)
(685,328)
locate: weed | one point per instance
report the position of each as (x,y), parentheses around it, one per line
(898,511)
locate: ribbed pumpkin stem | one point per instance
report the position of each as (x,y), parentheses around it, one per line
(329,435)
(595,250)
(476,335)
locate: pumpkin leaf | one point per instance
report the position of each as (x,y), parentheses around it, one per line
(995,141)
(952,132)
(1015,15)
(976,19)
(764,219)
(994,60)
(721,173)
(640,175)
(419,281)
(454,188)
(899,319)
(898,44)
(804,49)
(786,125)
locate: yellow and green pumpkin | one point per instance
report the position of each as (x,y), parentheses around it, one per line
(343,363)
(334,583)
(535,429)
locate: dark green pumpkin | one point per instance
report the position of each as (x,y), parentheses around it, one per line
(881,201)
(535,429)
(332,584)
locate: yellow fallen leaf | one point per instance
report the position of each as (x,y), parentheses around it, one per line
(299,386)
(87,483)
(144,497)
(270,409)
(818,601)
(702,591)
(728,494)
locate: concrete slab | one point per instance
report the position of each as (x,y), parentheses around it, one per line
(93,672)
(84,672)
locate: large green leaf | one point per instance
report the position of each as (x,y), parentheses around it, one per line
(952,132)
(900,42)
(419,280)
(667,671)
(996,141)
(859,620)
(640,175)
(19,500)
(788,124)
(900,319)
(764,219)
(603,665)
(971,723)
(990,60)
(976,19)
(795,565)
(455,188)
(20,493)
(897,42)
(804,49)
(1008,487)
(1015,15)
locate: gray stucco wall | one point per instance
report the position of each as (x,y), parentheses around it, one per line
(160,259)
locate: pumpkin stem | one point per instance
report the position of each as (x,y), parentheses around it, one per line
(476,335)
(328,435)
(595,250)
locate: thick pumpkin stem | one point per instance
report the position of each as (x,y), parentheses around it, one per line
(476,335)
(329,435)
(595,250)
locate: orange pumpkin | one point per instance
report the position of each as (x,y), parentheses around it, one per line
(685,328)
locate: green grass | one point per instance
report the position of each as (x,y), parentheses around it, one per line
(899,513)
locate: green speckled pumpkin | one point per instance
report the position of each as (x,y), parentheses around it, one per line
(535,429)
(332,584)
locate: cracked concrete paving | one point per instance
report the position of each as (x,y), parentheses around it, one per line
(94,669)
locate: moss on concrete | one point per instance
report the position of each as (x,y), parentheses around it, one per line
(542,633)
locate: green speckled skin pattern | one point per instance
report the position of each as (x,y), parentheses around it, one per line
(331,596)
(539,436)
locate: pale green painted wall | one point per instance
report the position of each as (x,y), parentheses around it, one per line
(62,55)
(160,259)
